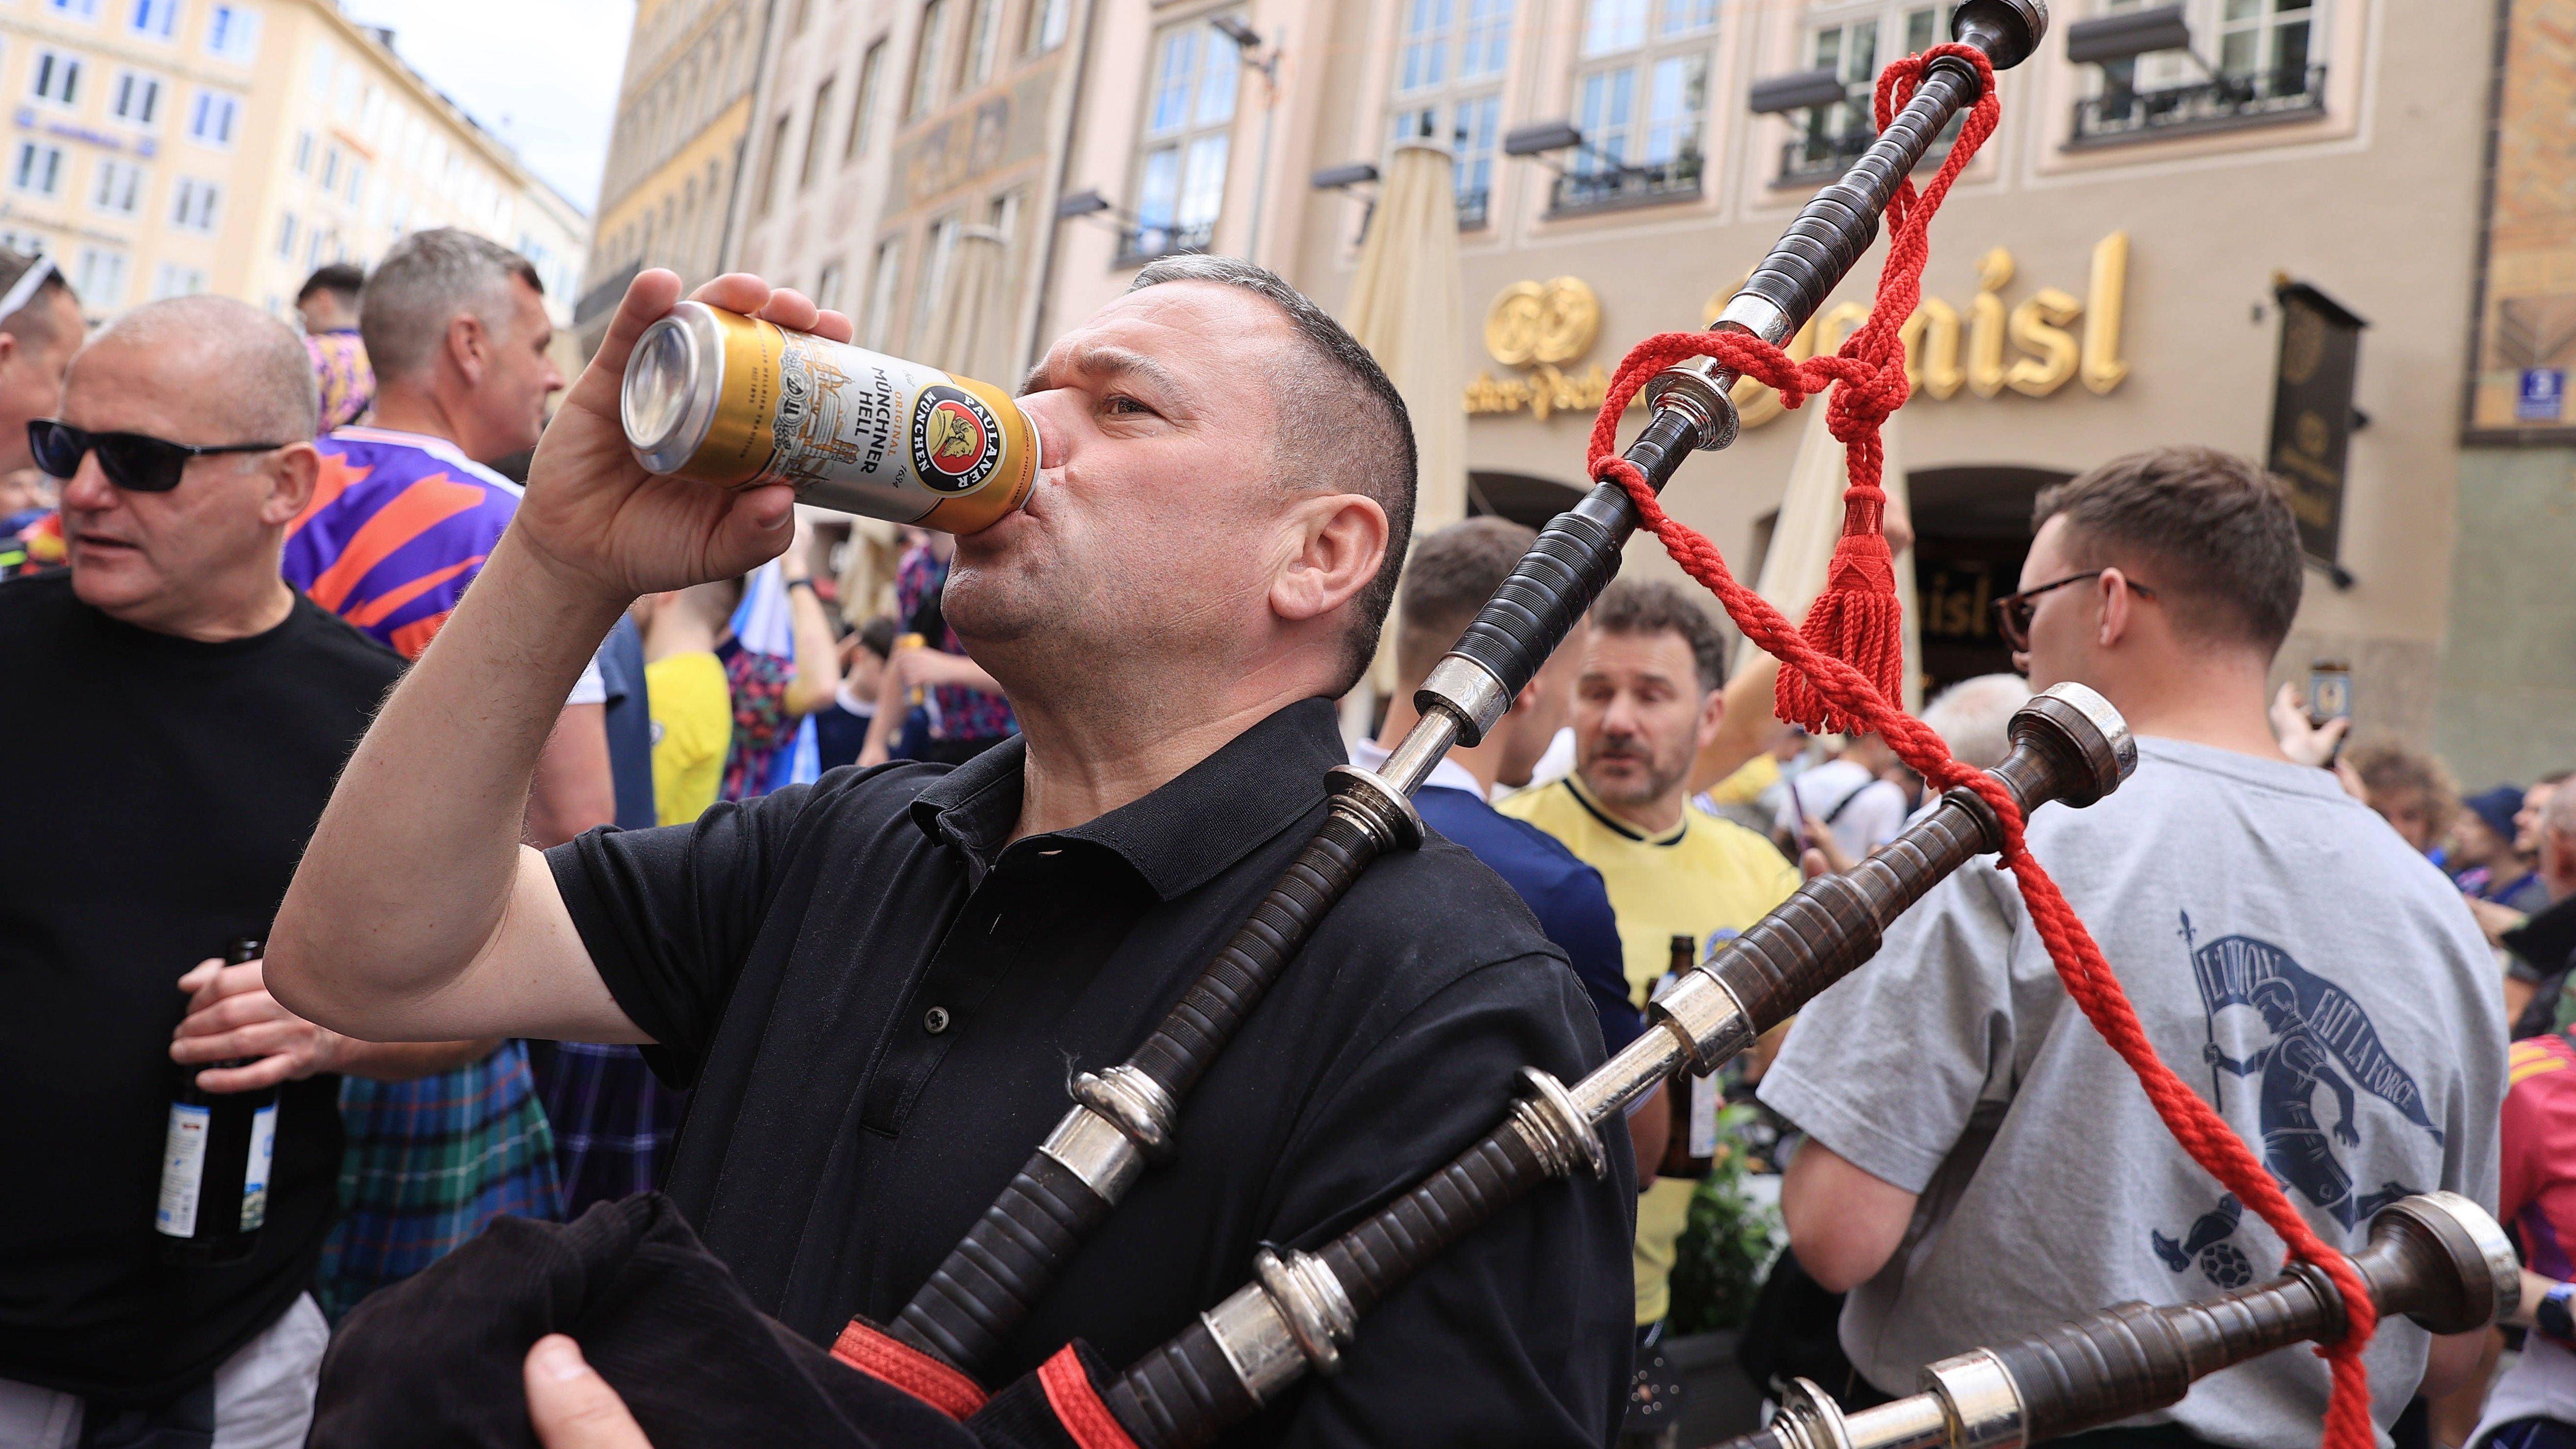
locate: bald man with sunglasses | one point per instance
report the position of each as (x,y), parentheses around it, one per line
(177,715)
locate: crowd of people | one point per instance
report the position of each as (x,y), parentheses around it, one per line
(658,872)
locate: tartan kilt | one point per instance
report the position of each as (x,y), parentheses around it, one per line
(428,1163)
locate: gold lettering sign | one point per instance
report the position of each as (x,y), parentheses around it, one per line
(1540,326)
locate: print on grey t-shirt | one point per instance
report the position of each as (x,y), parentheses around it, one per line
(2333,1000)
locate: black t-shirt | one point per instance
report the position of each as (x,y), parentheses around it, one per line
(159,793)
(880,1005)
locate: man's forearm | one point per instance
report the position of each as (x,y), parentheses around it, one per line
(413,865)
(818,664)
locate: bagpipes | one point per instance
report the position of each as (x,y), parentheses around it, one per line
(2437,1258)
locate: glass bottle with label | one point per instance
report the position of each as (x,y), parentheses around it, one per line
(215,1160)
(1692,1147)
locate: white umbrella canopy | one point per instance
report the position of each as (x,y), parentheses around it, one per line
(1408,307)
(1811,518)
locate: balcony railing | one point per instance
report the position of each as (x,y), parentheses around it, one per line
(1141,244)
(1620,187)
(1820,158)
(1471,211)
(2220,103)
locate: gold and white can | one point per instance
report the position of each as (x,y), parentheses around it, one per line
(721,398)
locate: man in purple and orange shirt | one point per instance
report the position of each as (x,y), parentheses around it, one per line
(402,517)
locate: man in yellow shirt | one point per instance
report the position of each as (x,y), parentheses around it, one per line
(692,705)
(1649,698)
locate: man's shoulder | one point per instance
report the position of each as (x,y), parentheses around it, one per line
(401,459)
(1417,922)
(1531,861)
(341,647)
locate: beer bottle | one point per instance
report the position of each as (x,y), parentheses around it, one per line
(1693,1143)
(215,1159)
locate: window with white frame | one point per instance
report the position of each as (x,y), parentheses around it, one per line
(1641,94)
(24,243)
(357,182)
(56,78)
(1854,42)
(101,279)
(194,204)
(286,235)
(119,190)
(171,279)
(38,169)
(983,40)
(212,118)
(304,153)
(73,9)
(1450,59)
(863,106)
(933,39)
(331,169)
(881,287)
(136,98)
(1189,120)
(777,163)
(938,251)
(827,286)
(2241,39)
(811,166)
(1047,22)
(154,19)
(232,32)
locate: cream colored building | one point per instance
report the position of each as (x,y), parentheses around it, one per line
(668,196)
(2103,277)
(161,147)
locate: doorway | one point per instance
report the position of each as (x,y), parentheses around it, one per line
(1971,532)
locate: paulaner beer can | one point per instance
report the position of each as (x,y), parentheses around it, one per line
(721,398)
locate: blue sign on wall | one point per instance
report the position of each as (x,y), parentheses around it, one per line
(2544,395)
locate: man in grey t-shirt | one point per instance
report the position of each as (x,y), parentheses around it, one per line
(1980,1165)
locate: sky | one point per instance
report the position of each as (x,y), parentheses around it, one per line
(540,74)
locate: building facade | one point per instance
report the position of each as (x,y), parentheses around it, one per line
(163,147)
(668,195)
(2110,274)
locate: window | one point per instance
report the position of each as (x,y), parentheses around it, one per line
(193,204)
(57,78)
(863,106)
(1643,100)
(304,153)
(39,169)
(173,280)
(889,269)
(357,180)
(136,99)
(155,18)
(331,168)
(925,60)
(983,37)
(119,191)
(101,282)
(232,32)
(1189,113)
(1448,87)
(777,163)
(211,119)
(1854,47)
(74,9)
(1047,22)
(24,243)
(814,136)
(827,286)
(286,235)
(2263,49)
(934,275)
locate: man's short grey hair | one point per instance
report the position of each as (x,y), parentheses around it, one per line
(428,280)
(1974,717)
(35,321)
(258,362)
(1342,427)
(2559,815)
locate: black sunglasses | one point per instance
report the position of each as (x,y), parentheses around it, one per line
(2013,611)
(136,462)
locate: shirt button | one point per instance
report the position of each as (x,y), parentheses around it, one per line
(935,1020)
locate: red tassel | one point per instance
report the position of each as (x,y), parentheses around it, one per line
(1857,619)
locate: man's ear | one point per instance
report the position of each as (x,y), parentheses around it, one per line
(291,472)
(469,346)
(1712,713)
(1335,543)
(2118,616)
(12,352)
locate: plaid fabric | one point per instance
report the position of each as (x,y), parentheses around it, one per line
(613,1120)
(431,1161)
(761,724)
(957,713)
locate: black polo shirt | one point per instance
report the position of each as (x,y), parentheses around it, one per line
(880,1003)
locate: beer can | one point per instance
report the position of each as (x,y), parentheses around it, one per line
(721,398)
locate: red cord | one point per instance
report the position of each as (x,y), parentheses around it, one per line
(1871,368)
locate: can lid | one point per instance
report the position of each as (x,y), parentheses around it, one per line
(668,400)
